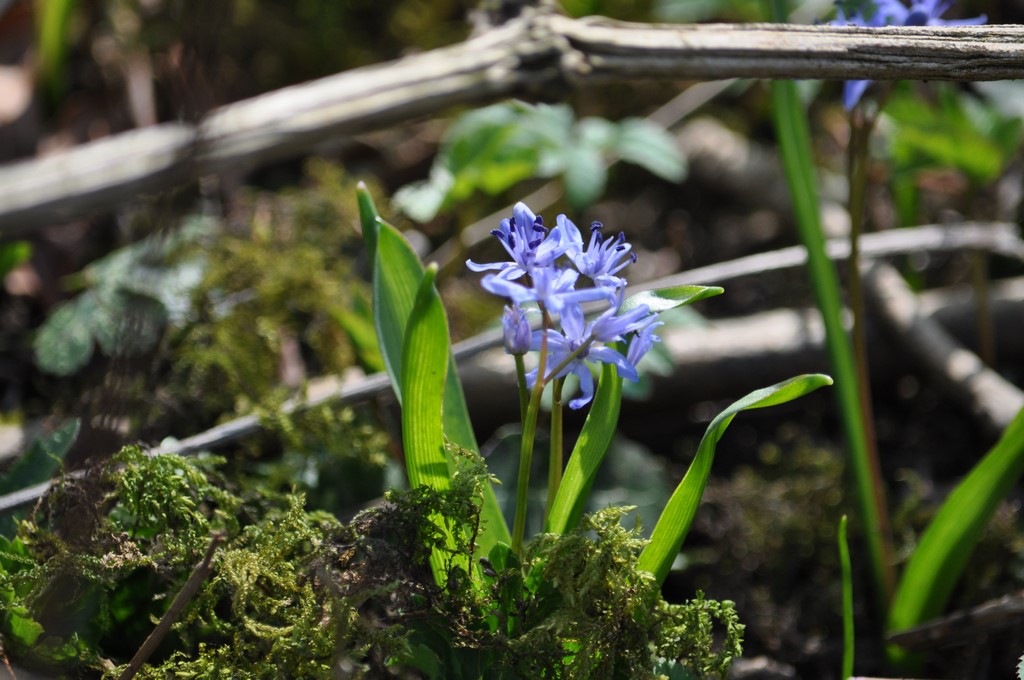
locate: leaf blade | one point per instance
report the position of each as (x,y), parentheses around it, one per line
(663,299)
(394,290)
(945,546)
(675,520)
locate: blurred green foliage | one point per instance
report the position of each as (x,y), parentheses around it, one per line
(956,131)
(131,294)
(493,149)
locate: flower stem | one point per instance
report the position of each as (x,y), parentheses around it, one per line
(861,127)
(526,445)
(524,396)
(555,459)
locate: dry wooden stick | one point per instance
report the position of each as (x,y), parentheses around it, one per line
(993,400)
(962,626)
(184,596)
(539,55)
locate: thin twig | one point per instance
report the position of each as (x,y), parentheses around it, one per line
(184,596)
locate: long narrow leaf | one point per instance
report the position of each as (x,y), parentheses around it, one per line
(847,582)
(397,273)
(795,150)
(675,520)
(424,369)
(588,453)
(945,547)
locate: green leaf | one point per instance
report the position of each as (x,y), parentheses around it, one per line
(395,286)
(847,587)
(675,520)
(598,133)
(959,132)
(586,457)
(394,291)
(127,323)
(663,299)
(652,148)
(53,41)
(40,462)
(358,326)
(424,369)
(945,547)
(425,352)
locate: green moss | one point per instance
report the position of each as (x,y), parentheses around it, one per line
(297,590)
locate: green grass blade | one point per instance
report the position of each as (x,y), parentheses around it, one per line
(675,520)
(394,290)
(795,149)
(945,547)
(847,574)
(588,453)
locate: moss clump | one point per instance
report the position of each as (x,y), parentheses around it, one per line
(297,592)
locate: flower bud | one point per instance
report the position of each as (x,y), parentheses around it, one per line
(517,330)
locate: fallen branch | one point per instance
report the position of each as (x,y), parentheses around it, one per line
(992,399)
(539,55)
(963,626)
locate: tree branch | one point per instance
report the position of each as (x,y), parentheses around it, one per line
(537,56)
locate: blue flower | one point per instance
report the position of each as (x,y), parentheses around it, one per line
(530,244)
(894,13)
(551,286)
(577,334)
(642,343)
(602,259)
(517,330)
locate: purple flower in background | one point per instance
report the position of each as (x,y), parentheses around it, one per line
(893,13)
(602,259)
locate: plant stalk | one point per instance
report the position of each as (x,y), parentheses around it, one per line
(524,395)
(528,435)
(857,173)
(555,460)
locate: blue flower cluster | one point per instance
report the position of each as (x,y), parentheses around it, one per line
(546,269)
(876,13)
